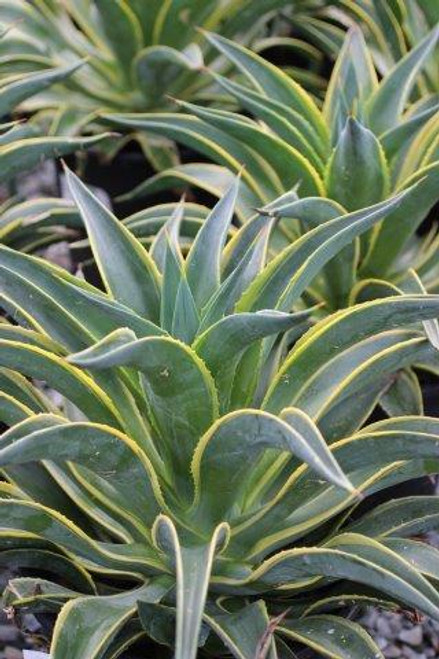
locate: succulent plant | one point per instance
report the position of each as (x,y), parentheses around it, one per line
(198,480)
(367,141)
(24,146)
(390,28)
(136,54)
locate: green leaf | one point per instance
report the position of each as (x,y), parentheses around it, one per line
(387,104)
(400,137)
(186,319)
(13,93)
(422,556)
(287,275)
(75,385)
(357,174)
(241,631)
(393,234)
(331,636)
(339,332)
(352,557)
(289,164)
(64,568)
(352,82)
(130,275)
(257,175)
(99,619)
(122,30)
(270,80)
(404,517)
(109,454)
(285,122)
(404,396)
(178,387)
(193,566)
(245,435)
(248,266)
(126,559)
(26,154)
(203,260)
(158,68)
(221,346)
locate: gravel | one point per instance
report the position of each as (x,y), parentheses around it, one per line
(399,637)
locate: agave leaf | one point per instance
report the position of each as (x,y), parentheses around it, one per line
(288,162)
(404,517)
(249,265)
(129,634)
(122,30)
(131,275)
(388,242)
(221,344)
(18,388)
(49,525)
(211,142)
(331,636)
(172,275)
(241,631)
(299,502)
(107,453)
(169,232)
(99,618)
(422,556)
(183,400)
(13,93)
(245,435)
(26,154)
(399,138)
(270,80)
(203,260)
(353,80)
(186,319)
(193,566)
(158,68)
(209,177)
(388,102)
(288,274)
(352,557)
(404,396)
(41,559)
(291,126)
(12,410)
(41,594)
(61,376)
(328,335)
(357,174)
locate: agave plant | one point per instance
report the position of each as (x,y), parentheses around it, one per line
(198,481)
(23,145)
(390,29)
(367,141)
(137,52)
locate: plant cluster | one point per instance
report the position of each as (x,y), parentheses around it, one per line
(190,442)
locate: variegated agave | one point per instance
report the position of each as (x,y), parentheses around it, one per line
(368,139)
(198,481)
(23,146)
(390,28)
(137,52)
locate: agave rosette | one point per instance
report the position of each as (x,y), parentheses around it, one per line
(197,455)
(136,54)
(367,141)
(390,28)
(23,146)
